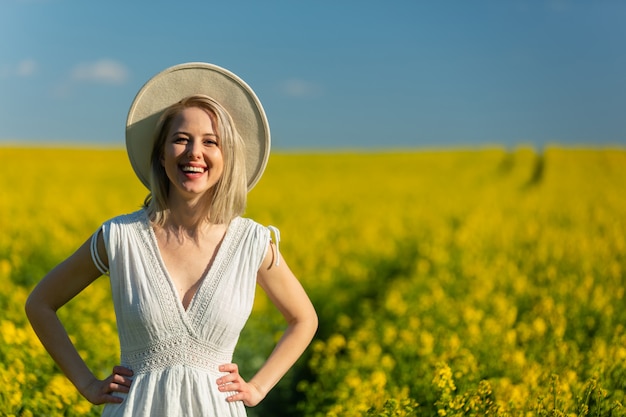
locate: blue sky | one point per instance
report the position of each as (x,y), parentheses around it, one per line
(383,74)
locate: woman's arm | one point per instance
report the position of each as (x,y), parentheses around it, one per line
(288,295)
(57,288)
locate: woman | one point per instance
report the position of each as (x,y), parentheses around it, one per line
(184,268)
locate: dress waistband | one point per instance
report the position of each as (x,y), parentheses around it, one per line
(185,351)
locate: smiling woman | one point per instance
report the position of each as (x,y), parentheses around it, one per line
(183,269)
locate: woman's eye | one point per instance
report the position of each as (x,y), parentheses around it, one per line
(180,139)
(210,142)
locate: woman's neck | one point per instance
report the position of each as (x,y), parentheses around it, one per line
(188,217)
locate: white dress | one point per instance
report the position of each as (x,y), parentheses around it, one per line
(175,353)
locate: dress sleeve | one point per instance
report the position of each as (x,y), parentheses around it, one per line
(94,254)
(276,233)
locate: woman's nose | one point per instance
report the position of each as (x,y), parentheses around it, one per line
(194,149)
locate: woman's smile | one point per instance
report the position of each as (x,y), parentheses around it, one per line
(192,171)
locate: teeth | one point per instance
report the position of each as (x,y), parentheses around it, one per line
(189,168)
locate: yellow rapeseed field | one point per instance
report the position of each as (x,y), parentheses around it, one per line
(448,283)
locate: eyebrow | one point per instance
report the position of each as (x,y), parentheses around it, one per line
(178,132)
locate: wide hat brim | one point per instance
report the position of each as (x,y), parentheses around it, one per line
(180,81)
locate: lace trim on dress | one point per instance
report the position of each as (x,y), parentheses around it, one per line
(95,256)
(177,351)
(144,236)
(225,253)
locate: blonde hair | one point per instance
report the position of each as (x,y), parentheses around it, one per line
(228,199)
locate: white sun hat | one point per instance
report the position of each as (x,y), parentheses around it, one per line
(180,81)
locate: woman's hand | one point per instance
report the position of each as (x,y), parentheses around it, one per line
(101,391)
(249,393)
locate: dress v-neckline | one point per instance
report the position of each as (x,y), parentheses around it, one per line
(211,269)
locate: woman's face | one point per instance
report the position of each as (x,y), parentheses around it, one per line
(192,156)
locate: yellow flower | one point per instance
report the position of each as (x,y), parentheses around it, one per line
(61,388)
